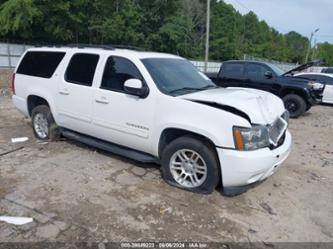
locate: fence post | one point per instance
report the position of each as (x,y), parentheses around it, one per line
(8,54)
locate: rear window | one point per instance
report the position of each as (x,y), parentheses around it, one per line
(81,69)
(40,64)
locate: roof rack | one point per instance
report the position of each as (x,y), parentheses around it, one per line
(128,47)
(101,46)
(83,45)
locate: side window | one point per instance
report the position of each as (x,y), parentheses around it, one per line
(256,71)
(233,70)
(40,64)
(81,69)
(117,71)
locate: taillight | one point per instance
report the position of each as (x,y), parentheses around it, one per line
(13,84)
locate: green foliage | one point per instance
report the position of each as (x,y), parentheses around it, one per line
(17,16)
(325,52)
(175,26)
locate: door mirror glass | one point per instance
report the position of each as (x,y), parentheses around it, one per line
(268,75)
(135,87)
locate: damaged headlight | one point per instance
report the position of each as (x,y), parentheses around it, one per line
(286,116)
(316,85)
(252,138)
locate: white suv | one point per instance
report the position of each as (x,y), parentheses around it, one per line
(154,107)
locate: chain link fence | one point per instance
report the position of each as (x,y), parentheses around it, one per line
(10,54)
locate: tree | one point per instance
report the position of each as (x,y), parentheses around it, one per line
(297,46)
(17,17)
(325,52)
(175,26)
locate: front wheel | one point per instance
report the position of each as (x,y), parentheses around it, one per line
(295,104)
(190,164)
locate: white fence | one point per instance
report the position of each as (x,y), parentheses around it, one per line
(212,67)
(10,54)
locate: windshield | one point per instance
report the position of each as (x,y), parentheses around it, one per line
(176,76)
(277,70)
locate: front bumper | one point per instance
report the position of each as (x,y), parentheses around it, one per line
(315,97)
(242,168)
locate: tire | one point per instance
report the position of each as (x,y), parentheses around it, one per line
(295,104)
(308,107)
(43,124)
(204,161)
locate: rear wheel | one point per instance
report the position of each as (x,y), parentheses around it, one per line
(43,124)
(295,104)
(190,164)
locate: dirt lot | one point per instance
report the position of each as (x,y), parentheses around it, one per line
(74,192)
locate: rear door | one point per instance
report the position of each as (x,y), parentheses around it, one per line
(256,78)
(231,74)
(75,94)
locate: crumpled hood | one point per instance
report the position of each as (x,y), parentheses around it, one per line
(261,107)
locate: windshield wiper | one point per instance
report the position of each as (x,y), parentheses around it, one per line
(208,87)
(185,89)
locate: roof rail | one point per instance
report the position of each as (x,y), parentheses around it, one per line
(83,45)
(128,47)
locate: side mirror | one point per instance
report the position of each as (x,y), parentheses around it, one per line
(268,75)
(136,88)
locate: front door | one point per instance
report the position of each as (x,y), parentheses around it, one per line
(255,77)
(117,116)
(328,92)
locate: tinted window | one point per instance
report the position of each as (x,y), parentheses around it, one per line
(40,64)
(327,70)
(81,69)
(233,70)
(117,71)
(256,71)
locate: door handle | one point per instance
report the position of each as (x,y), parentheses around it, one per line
(102,100)
(64,92)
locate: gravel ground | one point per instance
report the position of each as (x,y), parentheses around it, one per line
(75,193)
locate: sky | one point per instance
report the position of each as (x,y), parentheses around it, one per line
(302,16)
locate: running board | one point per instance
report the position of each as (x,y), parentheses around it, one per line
(110,147)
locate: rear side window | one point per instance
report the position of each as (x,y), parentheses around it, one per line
(327,70)
(233,70)
(40,64)
(81,69)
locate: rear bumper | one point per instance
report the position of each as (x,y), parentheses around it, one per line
(243,168)
(21,105)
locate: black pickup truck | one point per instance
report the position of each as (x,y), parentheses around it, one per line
(298,94)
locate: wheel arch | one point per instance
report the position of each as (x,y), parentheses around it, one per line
(302,93)
(170,134)
(35,100)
